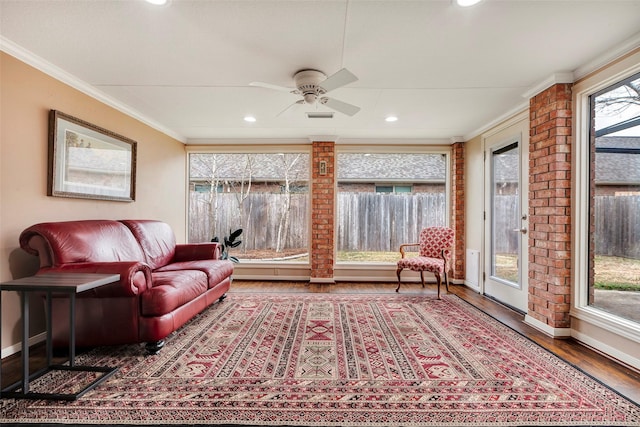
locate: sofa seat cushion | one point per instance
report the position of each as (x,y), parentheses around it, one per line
(172,289)
(216,270)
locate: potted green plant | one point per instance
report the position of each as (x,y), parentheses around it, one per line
(229,242)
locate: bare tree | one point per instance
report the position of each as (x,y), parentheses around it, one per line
(214,184)
(205,167)
(289,162)
(618,100)
(241,190)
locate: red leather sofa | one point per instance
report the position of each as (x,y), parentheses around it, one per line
(162,284)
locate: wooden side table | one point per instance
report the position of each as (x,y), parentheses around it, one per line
(49,284)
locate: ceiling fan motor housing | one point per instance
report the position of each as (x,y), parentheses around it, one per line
(307,82)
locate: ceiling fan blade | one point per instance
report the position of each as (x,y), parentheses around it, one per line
(339,79)
(301,101)
(274,87)
(340,106)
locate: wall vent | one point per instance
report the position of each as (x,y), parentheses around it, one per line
(320,115)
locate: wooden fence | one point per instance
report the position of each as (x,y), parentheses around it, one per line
(259,216)
(617,230)
(381,222)
(366,221)
(618,234)
(506,220)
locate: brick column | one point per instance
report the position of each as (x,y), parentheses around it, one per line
(550,206)
(457,208)
(322,212)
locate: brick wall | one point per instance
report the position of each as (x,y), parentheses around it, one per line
(550,206)
(323,211)
(457,207)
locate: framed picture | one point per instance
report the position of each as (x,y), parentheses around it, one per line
(88,162)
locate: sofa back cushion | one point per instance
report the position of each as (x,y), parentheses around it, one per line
(81,241)
(156,239)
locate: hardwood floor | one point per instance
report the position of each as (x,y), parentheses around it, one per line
(622,379)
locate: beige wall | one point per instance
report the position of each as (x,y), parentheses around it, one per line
(27,95)
(473,193)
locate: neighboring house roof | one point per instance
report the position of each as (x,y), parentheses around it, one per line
(611,168)
(614,168)
(263,167)
(351,167)
(358,167)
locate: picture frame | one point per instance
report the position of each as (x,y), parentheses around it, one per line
(89,162)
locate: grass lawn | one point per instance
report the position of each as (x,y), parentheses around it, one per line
(615,273)
(612,273)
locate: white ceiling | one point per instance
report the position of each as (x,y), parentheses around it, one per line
(447,72)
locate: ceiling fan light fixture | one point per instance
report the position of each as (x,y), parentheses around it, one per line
(249,119)
(391,119)
(157,2)
(467,3)
(312,85)
(310,98)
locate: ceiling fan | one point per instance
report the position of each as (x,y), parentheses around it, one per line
(313,85)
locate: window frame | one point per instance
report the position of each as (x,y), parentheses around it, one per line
(253,149)
(582,161)
(445,150)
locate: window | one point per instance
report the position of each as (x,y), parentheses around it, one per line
(205,188)
(393,189)
(265,194)
(614,202)
(385,199)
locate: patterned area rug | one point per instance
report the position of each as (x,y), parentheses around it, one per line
(338,360)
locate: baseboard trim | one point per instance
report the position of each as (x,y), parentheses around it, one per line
(17,347)
(608,351)
(549,330)
(323,280)
(473,286)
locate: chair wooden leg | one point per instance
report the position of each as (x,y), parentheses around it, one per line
(422,278)
(398,271)
(446,280)
(439,281)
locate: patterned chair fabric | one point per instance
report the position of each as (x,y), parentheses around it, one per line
(435,250)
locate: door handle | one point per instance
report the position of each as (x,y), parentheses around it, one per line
(521,230)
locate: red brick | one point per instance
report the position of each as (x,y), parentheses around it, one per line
(550,201)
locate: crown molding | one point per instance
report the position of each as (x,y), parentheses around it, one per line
(57,73)
(506,116)
(608,57)
(323,138)
(554,79)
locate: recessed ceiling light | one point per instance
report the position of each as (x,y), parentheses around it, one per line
(157,2)
(249,119)
(391,119)
(467,3)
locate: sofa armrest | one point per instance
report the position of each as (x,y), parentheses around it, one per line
(197,251)
(135,276)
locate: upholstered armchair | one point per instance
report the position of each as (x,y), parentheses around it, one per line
(435,250)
